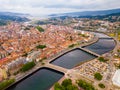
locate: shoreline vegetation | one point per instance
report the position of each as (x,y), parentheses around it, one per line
(67,84)
(6,83)
(27,66)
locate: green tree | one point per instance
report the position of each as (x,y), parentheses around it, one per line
(71,46)
(98,76)
(6,83)
(101,85)
(101,59)
(57,86)
(66,85)
(40,29)
(71,87)
(27,66)
(41,46)
(66,82)
(85,85)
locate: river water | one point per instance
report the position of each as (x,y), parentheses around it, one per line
(72,58)
(43,79)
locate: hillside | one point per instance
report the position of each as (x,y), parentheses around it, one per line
(110,17)
(88,13)
(8,16)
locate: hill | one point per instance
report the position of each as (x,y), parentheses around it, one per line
(110,17)
(9,16)
(88,13)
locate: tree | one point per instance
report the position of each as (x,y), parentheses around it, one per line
(85,85)
(41,46)
(66,85)
(71,87)
(40,29)
(71,46)
(6,83)
(27,66)
(57,86)
(66,82)
(101,85)
(98,76)
(101,59)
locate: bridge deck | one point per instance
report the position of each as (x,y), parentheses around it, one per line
(58,68)
(93,53)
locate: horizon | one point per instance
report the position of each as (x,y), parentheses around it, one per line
(47,7)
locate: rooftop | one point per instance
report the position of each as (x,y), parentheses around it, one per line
(116,78)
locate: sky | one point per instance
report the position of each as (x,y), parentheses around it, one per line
(45,7)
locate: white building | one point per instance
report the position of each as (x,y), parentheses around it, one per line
(116,78)
(32,56)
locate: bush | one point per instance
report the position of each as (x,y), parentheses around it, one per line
(85,85)
(6,83)
(101,59)
(71,46)
(71,87)
(98,76)
(41,46)
(27,66)
(66,82)
(66,85)
(40,29)
(57,86)
(101,85)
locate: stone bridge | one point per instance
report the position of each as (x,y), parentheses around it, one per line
(57,68)
(88,51)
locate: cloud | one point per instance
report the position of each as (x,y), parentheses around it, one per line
(41,7)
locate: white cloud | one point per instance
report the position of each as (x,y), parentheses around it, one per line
(41,7)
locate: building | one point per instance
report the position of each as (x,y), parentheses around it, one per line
(15,65)
(32,56)
(116,78)
(3,74)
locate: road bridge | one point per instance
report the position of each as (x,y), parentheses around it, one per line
(58,68)
(88,51)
